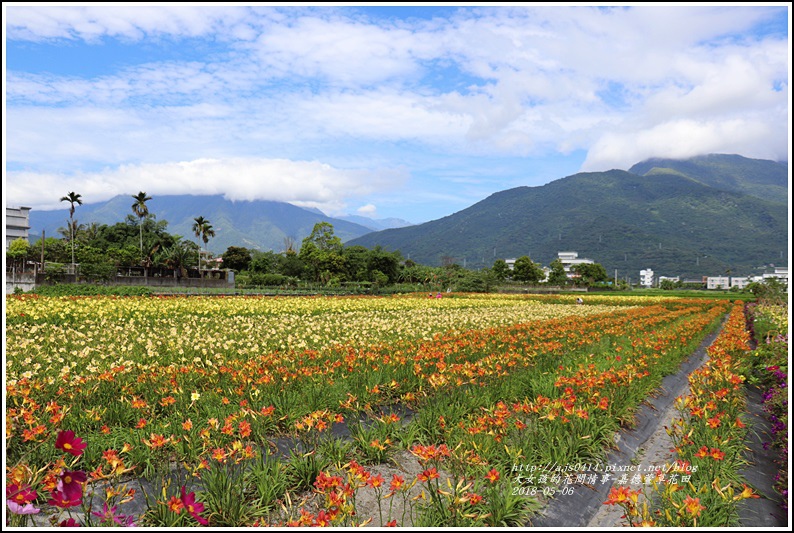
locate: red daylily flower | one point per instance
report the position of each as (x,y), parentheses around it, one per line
(193,507)
(427,475)
(175,505)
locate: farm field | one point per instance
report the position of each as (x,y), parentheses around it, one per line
(285,411)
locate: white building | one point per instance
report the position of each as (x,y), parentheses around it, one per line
(718,282)
(646,278)
(17,224)
(740,283)
(781,273)
(571,259)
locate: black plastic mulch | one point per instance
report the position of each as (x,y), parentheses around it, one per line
(578,509)
(764,512)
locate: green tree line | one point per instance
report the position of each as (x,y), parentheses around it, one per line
(142,241)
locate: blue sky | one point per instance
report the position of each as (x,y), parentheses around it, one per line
(414,112)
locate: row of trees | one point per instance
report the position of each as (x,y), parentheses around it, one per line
(142,241)
(526,270)
(100,249)
(201,227)
(323,258)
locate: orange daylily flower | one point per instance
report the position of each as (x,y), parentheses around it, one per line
(693,506)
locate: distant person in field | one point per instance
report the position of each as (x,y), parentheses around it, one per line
(579,300)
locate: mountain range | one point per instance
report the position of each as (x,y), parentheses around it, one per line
(258,225)
(706,215)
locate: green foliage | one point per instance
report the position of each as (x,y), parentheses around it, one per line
(557,276)
(303,469)
(321,252)
(18,249)
(55,250)
(590,273)
(101,271)
(387,263)
(771,291)
(379,278)
(527,270)
(225,499)
(477,281)
(237,258)
(256,279)
(667,284)
(82,289)
(181,256)
(264,262)
(500,269)
(268,478)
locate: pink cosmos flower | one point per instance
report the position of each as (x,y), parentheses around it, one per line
(15,508)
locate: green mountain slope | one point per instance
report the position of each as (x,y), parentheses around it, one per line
(627,222)
(763,179)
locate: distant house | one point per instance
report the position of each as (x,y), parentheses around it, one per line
(739,283)
(646,278)
(718,282)
(692,282)
(781,273)
(17,224)
(571,259)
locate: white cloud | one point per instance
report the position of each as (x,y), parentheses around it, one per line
(301,182)
(291,82)
(682,138)
(133,22)
(341,52)
(368,210)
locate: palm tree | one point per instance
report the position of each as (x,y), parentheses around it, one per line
(140,209)
(207,232)
(203,229)
(72,198)
(198,224)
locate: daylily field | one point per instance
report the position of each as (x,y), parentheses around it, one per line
(195,393)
